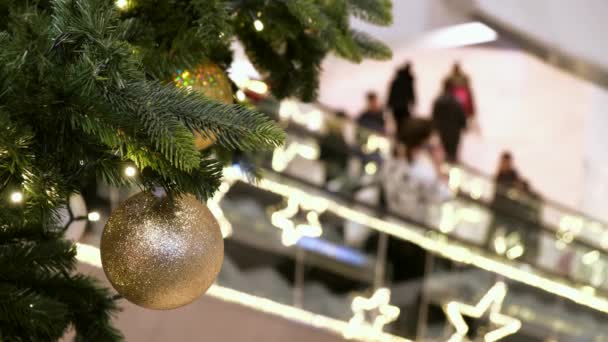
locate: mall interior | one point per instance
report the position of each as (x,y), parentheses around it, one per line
(457,191)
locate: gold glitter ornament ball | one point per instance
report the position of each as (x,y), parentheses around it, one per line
(210,80)
(161,253)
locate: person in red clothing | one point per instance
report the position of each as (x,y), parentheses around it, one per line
(461,90)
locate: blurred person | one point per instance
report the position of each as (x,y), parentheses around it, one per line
(402,96)
(507,175)
(334,149)
(461,89)
(411,179)
(516,207)
(449,119)
(413,189)
(372,117)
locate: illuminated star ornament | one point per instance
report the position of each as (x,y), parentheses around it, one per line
(214,206)
(283,219)
(378,308)
(282,156)
(488,306)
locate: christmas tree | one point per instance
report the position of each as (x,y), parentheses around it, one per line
(86,89)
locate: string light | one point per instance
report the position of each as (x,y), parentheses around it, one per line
(240,96)
(371,168)
(16,197)
(491,302)
(258,25)
(130,171)
(122,4)
(93,216)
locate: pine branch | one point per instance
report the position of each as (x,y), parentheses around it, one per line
(91,306)
(26,257)
(370,47)
(29,316)
(378,12)
(202,182)
(14,148)
(308,13)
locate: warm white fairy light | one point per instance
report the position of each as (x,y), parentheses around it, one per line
(16,196)
(371,168)
(122,4)
(258,25)
(240,95)
(130,171)
(94,216)
(490,304)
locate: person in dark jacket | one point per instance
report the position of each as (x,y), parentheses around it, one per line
(372,117)
(506,176)
(334,149)
(450,120)
(402,96)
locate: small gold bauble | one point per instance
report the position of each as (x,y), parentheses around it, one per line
(208,79)
(162,253)
(211,81)
(203,141)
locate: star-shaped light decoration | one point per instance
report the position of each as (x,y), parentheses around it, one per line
(292,232)
(490,304)
(377,307)
(282,156)
(214,206)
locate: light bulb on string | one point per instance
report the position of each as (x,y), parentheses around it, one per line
(130,171)
(122,4)
(258,25)
(16,197)
(240,96)
(93,216)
